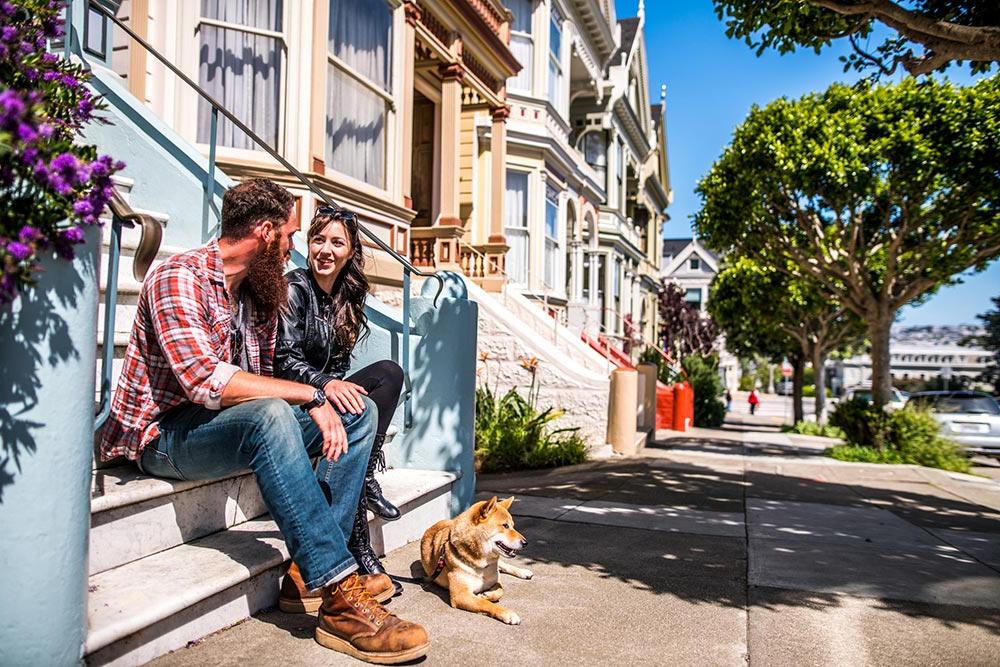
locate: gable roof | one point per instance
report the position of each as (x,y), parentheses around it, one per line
(630,27)
(673,247)
(684,249)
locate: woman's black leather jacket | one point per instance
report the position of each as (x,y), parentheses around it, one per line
(304,351)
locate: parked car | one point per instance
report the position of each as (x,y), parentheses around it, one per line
(863,392)
(784,387)
(970,418)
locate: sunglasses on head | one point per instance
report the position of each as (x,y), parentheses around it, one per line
(337,213)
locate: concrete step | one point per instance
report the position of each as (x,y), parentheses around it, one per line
(151,605)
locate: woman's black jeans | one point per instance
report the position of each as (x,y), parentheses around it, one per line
(383,381)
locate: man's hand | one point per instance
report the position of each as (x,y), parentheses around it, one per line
(346,396)
(332,429)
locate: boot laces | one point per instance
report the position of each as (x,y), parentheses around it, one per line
(356,593)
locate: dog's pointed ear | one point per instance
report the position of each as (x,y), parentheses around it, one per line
(487,508)
(507,503)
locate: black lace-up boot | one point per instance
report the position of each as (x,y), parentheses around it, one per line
(377,502)
(360,546)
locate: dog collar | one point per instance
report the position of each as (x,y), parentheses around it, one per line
(439,567)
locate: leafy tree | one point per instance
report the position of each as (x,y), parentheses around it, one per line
(990,340)
(941,31)
(878,194)
(683,329)
(797,316)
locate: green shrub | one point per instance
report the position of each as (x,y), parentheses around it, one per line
(703,374)
(812,428)
(746,382)
(809,391)
(903,436)
(664,372)
(512,435)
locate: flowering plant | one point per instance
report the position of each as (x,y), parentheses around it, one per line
(51,188)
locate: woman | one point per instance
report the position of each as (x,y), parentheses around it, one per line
(324,320)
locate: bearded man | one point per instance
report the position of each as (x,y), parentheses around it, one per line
(196,401)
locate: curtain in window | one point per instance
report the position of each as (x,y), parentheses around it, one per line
(516,224)
(551,236)
(360,35)
(241,70)
(521,43)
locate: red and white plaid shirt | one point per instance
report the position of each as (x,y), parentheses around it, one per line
(179,351)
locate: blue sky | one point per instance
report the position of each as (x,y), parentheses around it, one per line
(712,82)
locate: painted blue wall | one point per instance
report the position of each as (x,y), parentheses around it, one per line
(49,349)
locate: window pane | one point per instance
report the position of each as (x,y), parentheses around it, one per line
(355,129)
(555,33)
(360,34)
(693,296)
(516,203)
(263,14)
(555,83)
(243,72)
(523,49)
(695,264)
(595,153)
(522,14)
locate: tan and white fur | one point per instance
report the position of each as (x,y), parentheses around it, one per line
(472,545)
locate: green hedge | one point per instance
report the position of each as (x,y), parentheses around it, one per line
(904,436)
(703,374)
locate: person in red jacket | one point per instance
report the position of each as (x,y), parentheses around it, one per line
(753,400)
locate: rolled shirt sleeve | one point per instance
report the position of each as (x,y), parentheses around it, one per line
(184,329)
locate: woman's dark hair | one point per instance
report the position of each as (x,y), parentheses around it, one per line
(350,324)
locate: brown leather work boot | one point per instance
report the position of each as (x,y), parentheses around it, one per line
(352,622)
(295,598)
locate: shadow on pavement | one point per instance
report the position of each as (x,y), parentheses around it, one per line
(878,545)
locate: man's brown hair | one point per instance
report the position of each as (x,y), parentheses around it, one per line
(251,202)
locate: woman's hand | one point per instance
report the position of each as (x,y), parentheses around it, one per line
(346,396)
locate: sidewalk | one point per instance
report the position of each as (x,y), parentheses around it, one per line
(715,548)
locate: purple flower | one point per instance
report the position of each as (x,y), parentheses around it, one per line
(72,235)
(11,108)
(19,251)
(8,33)
(26,132)
(49,57)
(83,208)
(29,234)
(26,48)
(45,131)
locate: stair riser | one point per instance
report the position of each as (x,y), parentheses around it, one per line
(197,621)
(124,534)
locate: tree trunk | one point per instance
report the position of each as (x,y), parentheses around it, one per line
(878,332)
(798,380)
(819,382)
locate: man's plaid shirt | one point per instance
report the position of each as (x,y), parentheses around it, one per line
(179,351)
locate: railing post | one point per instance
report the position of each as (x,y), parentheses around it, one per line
(67,38)
(407,403)
(210,174)
(110,304)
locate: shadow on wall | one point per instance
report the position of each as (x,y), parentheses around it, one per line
(783,542)
(33,336)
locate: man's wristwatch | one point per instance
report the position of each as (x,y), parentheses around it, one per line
(319,398)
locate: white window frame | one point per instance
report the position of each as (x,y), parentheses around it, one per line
(282,92)
(371,86)
(558,21)
(529,66)
(551,245)
(522,281)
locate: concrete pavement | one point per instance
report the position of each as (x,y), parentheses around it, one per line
(714,548)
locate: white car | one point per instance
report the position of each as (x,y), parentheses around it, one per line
(970,418)
(863,392)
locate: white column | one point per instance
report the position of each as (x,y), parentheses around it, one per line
(592,278)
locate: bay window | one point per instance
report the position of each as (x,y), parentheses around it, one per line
(516,226)
(522,44)
(555,57)
(358,88)
(240,62)
(551,256)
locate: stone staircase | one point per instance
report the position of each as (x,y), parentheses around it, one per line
(173,561)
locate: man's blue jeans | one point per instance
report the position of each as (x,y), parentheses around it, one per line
(275,440)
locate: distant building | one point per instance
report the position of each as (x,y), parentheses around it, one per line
(915,361)
(691,266)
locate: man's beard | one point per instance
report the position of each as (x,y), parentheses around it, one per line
(266,279)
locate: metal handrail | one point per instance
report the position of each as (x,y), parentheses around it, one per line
(122,215)
(306,181)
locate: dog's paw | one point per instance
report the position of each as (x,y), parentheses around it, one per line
(527,574)
(510,618)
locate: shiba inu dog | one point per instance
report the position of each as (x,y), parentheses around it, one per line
(463,555)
